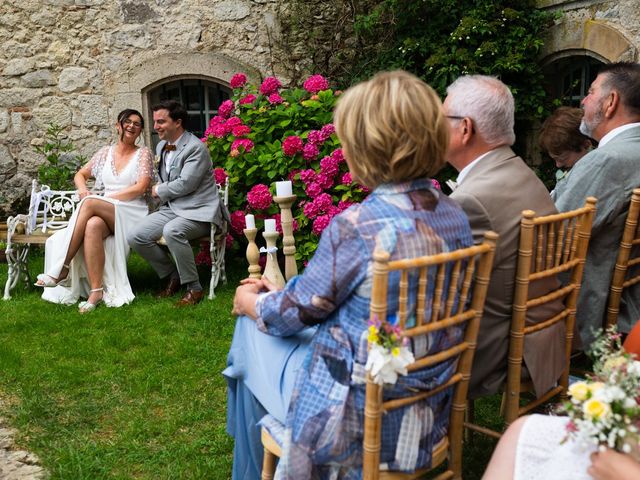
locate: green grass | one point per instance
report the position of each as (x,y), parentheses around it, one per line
(133,392)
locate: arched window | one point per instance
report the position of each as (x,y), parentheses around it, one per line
(200,97)
(569,78)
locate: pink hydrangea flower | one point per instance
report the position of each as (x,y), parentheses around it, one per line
(229,240)
(333,210)
(307,176)
(203,257)
(315,83)
(315,137)
(217,120)
(292,174)
(320,223)
(270,85)
(239,80)
(310,151)
(313,189)
(247,99)
(237,222)
(241,131)
(219,175)
(218,131)
(329,166)
(435,183)
(327,131)
(344,204)
(259,197)
(233,122)
(323,202)
(338,155)
(292,145)
(310,210)
(346,179)
(226,108)
(275,99)
(238,143)
(325,181)
(294,224)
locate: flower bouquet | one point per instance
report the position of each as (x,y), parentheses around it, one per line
(389,354)
(605,409)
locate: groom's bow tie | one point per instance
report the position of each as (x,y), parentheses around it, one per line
(168,147)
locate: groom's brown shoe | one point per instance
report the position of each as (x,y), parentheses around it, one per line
(192,297)
(171,289)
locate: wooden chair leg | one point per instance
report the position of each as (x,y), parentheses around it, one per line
(268,465)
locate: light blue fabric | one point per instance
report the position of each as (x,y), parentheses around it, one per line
(260,377)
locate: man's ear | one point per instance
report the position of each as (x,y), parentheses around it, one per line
(467,129)
(612,104)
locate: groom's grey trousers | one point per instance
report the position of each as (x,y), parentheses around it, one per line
(177,232)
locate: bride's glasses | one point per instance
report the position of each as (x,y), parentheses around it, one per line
(130,123)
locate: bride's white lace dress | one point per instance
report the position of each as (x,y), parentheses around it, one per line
(117,290)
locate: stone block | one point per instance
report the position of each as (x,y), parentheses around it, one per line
(73,79)
(230,10)
(4,120)
(16,122)
(7,164)
(37,79)
(137,12)
(52,110)
(90,111)
(18,66)
(130,36)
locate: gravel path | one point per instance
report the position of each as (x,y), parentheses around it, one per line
(17,464)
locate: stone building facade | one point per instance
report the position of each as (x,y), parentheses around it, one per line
(77,63)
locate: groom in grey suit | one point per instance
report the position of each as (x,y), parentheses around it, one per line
(189,203)
(494,187)
(609,173)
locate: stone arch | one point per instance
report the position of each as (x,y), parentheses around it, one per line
(593,38)
(132,86)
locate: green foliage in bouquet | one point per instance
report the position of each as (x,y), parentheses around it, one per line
(61,165)
(266,134)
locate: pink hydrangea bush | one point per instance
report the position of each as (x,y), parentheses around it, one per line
(268,133)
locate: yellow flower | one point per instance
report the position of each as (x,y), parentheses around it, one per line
(395,351)
(596,409)
(579,391)
(595,386)
(373,334)
(614,362)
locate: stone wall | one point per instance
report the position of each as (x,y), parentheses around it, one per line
(78,62)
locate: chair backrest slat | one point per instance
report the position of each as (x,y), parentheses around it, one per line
(441,286)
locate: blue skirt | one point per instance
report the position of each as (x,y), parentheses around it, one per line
(261,371)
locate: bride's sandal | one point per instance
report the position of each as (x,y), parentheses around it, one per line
(87,307)
(45,280)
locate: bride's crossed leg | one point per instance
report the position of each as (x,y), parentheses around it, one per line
(95,222)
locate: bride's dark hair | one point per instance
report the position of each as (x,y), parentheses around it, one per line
(125,114)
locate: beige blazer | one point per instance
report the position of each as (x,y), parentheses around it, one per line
(493,194)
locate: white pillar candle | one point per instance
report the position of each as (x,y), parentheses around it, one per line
(250,221)
(283,189)
(269,225)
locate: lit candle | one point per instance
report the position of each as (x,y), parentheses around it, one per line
(250,221)
(283,189)
(269,225)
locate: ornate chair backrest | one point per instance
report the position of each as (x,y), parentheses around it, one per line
(50,210)
(549,245)
(627,269)
(439,302)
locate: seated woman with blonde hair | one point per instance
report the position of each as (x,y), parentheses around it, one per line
(89,258)
(297,353)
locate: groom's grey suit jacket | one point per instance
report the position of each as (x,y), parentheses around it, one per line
(189,189)
(609,173)
(493,195)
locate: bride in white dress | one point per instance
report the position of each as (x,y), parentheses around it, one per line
(89,258)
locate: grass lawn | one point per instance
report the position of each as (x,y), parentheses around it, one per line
(133,392)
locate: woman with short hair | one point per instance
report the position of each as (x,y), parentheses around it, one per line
(297,352)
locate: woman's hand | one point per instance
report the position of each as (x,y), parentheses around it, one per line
(244,302)
(612,465)
(83,193)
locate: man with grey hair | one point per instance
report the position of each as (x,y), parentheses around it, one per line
(494,187)
(609,173)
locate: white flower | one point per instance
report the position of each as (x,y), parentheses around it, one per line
(385,366)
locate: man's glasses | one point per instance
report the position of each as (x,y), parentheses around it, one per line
(131,123)
(455,117)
